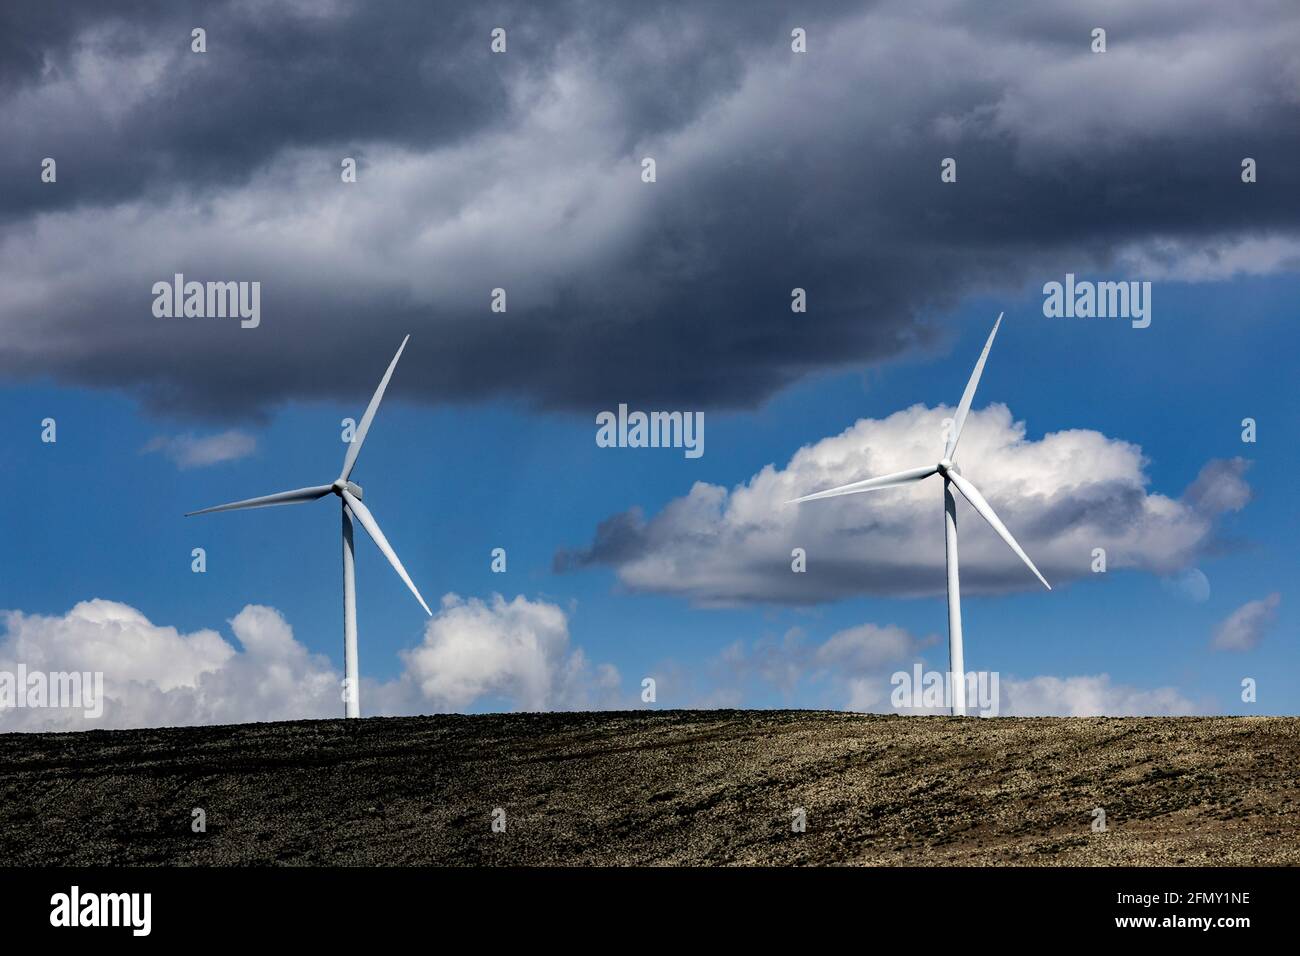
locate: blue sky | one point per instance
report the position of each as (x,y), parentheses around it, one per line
(101,518)
(916,168)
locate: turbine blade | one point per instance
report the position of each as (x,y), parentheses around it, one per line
(372,528)
(972,494)
(359,439)
(963,407)
(298,496)
(872,484)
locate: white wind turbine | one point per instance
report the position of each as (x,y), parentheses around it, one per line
(951,477)
(350,495)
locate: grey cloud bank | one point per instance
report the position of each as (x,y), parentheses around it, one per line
(522,171)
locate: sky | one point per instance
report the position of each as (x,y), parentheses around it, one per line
(524,171)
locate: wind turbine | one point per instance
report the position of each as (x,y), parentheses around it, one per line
(952,477)
(349,494)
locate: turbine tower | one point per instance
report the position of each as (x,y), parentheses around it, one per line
(952,477)
(349,494)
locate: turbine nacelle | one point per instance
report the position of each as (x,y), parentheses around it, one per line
(351,487)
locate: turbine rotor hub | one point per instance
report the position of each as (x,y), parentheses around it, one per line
(351,487)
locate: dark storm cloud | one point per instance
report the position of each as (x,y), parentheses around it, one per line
(521,171)
(278,80)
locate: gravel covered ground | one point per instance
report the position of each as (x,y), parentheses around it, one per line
(664,787)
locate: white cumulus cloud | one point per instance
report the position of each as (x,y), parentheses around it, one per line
(515,650)
(155,675)
(854,669)
(1089,696)
(1062,496)
(501,654)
